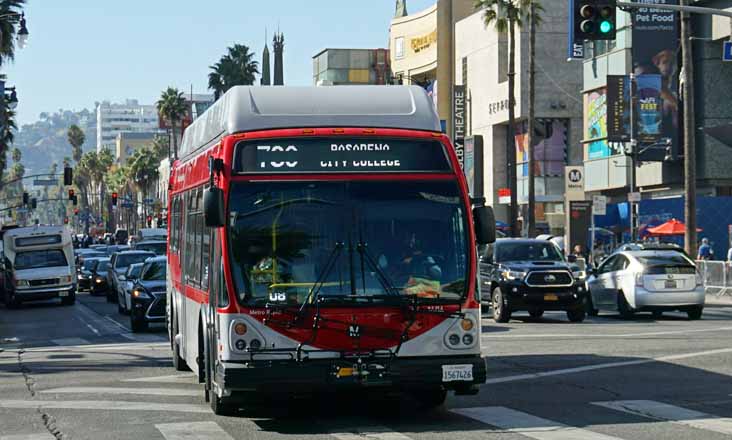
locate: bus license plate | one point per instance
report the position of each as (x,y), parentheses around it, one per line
(551,297)
(63,293)
(453,373)
(670,284)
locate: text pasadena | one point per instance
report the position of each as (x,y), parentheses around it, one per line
(384,163)
(359,147)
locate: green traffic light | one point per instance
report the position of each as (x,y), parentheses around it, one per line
(606,27)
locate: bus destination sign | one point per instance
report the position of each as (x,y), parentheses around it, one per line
(341,155)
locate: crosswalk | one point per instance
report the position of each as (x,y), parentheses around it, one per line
(183,399)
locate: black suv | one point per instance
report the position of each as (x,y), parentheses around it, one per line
(532,275)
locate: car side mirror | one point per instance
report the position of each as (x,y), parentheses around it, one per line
(572,258)
(213,207)
(485,224)
(122,278)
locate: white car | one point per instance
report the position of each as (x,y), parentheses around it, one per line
(124,289)
(646,281)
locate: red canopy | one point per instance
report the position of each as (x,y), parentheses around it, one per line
(671,227)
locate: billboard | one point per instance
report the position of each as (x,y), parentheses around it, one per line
(656,51)
(647,110)
(550,147)
(595,123)
(473,167)
(618,104)
(580,221)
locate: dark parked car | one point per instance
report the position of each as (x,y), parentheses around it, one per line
(148,295)
(99,276)
(85,275)
(157,246)
(119,263)
(531,275)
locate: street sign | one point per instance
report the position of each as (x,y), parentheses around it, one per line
(45,182)
(504,196)
(574,183)
(599,205)
(727,51)
(634,197)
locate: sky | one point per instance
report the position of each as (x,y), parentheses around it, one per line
(83,51)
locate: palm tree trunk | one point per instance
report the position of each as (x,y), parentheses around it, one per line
(511,141)
(689,134)
(174,140)
(530,129)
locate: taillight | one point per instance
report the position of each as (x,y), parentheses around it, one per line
(639,279)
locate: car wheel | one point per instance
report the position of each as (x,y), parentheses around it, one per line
(695,313)
(536,313)
(626,312)
(590,306)
(222,406)
(121,309)
(430,398)
(501,313)
(576,315)
(137,325)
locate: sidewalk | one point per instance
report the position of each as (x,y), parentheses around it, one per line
(714,300)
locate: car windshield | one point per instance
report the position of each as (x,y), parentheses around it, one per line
(527,251)
(89,264)
(665,264)
(42,258)
(124,260)
(292,239)
(154,271)
(134,270)
(102,266)
(157,248)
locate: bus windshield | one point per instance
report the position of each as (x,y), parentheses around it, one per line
(291,240)
(37,259)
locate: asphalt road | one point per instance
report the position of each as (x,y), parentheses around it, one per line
(78,372)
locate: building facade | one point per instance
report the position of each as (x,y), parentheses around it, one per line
(131,116)
(481,66)
(127,142)
(338,67)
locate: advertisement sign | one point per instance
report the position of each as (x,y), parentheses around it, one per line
(649,108)
(595,122)
(458,121)
(599,205)
(647,112)
(618,108)
(580,221)
(574,182)
(504,196)
(473,167)
(550,146)
(656,51)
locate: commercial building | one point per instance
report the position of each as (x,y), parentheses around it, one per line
(131,116)
(481,68)
(337,67)
(648,44)
(421,49)
(127,142)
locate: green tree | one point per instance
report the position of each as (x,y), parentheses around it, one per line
(236,68)
(76,138)
(172,107)
(9,11)
(17,155)
(505,16)
(161,147)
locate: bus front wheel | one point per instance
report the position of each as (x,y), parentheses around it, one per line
(221,406)
(178,362)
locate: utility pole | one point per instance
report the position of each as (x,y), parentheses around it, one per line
(633,160)
(531,124)
(689,132)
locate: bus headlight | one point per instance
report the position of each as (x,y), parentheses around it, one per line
(22,283)
(454,339)
(64,279)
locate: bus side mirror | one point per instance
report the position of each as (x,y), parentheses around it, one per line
(213,207)
(485,225)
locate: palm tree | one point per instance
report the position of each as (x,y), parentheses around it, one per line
(236,68)
(9,9)
(17,155)
(172,107)
(76,138)
(510,17)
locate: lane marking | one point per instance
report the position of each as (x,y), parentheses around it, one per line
(115,390)
(70,341)
(95,331)
(676,414)
(586,368)
(373,432)
(105,405)
(91,347)
(172,378)
(37,436)
(193,431)
(594,336)
(116,324)
(527,425)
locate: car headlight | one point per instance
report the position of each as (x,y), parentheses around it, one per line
(22,283)
(579,274)
(64,279)
(99,280)
(140,293)
(513,274)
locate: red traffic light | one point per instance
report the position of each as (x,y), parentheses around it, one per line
(66,220)
(114,199)
(71,194)
(76,211)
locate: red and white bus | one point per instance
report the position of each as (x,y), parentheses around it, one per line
(322,238)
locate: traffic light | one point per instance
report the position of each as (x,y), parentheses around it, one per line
(34,203)
(76,211)
(114,199)
(66,220)
(25,198)
(68,176)
(71,194)
(74,200)
(595,19)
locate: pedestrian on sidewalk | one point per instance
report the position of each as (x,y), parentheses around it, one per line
(705,251)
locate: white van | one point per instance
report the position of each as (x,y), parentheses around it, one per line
(38,264)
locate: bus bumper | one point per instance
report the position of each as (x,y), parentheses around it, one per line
(332,374)
(40,294)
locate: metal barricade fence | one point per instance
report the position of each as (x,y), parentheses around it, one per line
(716,276)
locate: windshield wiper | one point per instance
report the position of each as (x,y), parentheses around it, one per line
(320,280)
(382,277)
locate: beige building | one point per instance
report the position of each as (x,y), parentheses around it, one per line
(127,142)
(421,47)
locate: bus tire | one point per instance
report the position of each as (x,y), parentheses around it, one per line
(178,362)
(221,406)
